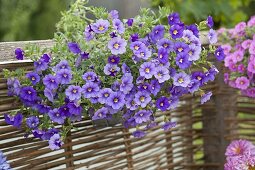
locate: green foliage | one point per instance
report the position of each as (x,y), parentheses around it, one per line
(225,13)
(29,19)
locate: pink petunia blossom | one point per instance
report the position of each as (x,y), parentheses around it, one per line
(252,47)
(242,82)
(246,44)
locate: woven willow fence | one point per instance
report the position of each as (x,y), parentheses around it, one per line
(198,142)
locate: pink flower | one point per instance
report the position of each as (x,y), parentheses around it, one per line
(238,55)
(251,22)
(246,44)
(240,27)
(239,148)
(232,67)
(249,92)
(232,83)
(252,47)
(251,66)
(241,68)
(226,48)
(229,59)
(242,83)
(221,30)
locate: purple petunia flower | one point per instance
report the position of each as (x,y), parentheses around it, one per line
(138,134)
(33,77)
(32,122)
(64,111)
(142,99)
(111,70)
(73,92)
(181,79)
(50,82)
(157,33)
(144,87)
(181,47)
(117,45)
(205,97)
(113,59)
(176,31)
(182,61)
(163,55)
(64,76)
(88,33)
(28,93)
(212,36)
(74,108)
(242,83)
(194,52)
(199,76)
(142,116)
(40,65)
(4,165)
(55,116)
(101,26)
(130,22)
(166,44)
(48,134)
(173,101)
(90,89)
(126,83)
(19,53)
(89,76)
(162,103)
(131,104)
(143,54)
(113,14)
(155,87)
(193,86)
(219,54)
(173,18)
(42,108)
(169,125)
(63,64)
(118,26)
(16,120)
(147,70)
(137,46)
(55,142)
(193,28)
(49,94)
(103,95)
(125,69)
(162,74)
(239,148)
(116,100)
(100,113)
(209,22)
(46,57)
(74,47)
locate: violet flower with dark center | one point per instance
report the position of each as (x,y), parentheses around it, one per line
(162,74)
(56,117)
(199,76)
(147,70)
(116,100)
(101,26)
(182,61)
(142,98)
(173,18)
(219,54)
(89,76)
(46,57)
(113,59)
(74,47)
(28,93)
(130,22)
(117,45)
(50,82)
(40,65)
(74,108)
(181,79)
(19,53)
(126,83)
(166,44)
(138,134)
(103,95)
(100,114)
(176,31)
(32,122)
(209,22)
(111,70)
(50,94)
(55,142)
(118,26)
(142,116)
(155,87)
(64,110)
(169,125)
(63,64)
(16,120)
(125,69)
(90,89)
(181,47)
(33,77)
(157,33)
(162,103)
(64,76)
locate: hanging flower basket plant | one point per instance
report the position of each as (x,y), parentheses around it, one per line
(239,48)
(128,69)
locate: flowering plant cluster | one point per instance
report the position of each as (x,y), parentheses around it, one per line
(239,48)
(116,68)
(240,155)
(4,165)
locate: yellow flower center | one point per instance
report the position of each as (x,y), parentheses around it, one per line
(237,150)
(136,47)
(116,100)
(116,46)
(180,49)
(29,92)
(33,78)
(145,87)
(165,45)
(175,32)
(181,60)
(89,78)
(142,99)
(147,70)
(89,89)
(106,95)
(180,80)
(251,167)
(199,78)
(141,114)
(52,80)
(160,56)
(101,28)
(100,115)
(161,104)
(159,74)
(190,53)
(65,75)
(112,60)
(142,54)
(241,82)
(74,91)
